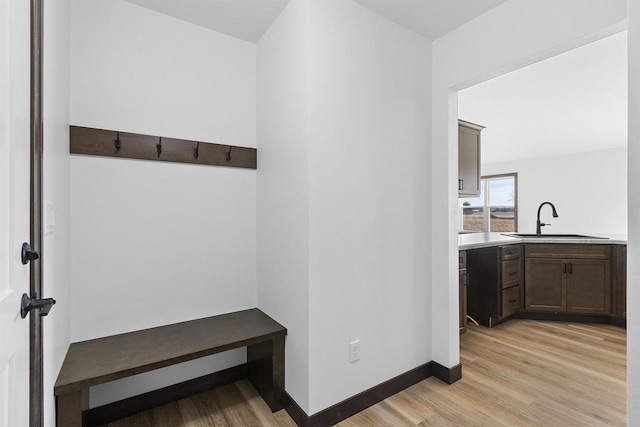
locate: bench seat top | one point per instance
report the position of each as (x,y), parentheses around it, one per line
(109,358)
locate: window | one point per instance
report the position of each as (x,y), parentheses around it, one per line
(496,209)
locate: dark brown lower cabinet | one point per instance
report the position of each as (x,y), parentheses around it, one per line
(463,300)
(495,283)
(620,281)
(462,289)
(568,278)
(545,281)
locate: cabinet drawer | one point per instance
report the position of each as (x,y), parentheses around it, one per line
(511,273)
(557,250)
(510,301)
(511,252)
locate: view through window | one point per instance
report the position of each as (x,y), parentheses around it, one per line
(496,207)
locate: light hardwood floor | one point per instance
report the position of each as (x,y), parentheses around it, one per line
(520,373)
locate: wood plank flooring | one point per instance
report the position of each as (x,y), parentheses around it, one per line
(520,373)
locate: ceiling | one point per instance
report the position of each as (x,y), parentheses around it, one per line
(570,103)
(244,19)
(249,19)
(430,18)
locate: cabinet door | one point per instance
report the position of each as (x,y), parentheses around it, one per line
(468,162)
(588,286)
(543,285)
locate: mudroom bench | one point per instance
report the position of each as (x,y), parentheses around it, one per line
(97,361)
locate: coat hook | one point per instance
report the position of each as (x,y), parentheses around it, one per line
(117,142)
(159,146)
(195,151)
(229,154)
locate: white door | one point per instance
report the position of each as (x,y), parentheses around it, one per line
(14,211)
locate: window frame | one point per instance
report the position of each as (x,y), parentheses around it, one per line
(486,207)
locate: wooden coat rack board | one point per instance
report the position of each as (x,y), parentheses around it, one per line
(111,143)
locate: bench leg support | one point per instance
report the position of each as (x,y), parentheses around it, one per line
(70,407)
(266,371)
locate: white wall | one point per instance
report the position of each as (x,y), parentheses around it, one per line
(633,246)
(154,243)
(282,188)
(124,77)
(344,114)
(513,35)
(368,151)
(589,191)
(56,253)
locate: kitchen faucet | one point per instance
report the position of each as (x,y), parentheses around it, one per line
(539,224)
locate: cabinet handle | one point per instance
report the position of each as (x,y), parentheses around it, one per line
(460,184)
(513,273)
(570,268)
(564,267)
(513,300)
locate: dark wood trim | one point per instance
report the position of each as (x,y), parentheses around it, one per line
(143,402)
(36,384)
(447,375)
(111,143)
(296,412)
(618,321)
(361,401)
(330,416)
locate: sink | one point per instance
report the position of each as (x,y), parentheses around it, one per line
(554,236)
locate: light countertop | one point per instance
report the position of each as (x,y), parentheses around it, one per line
(484,240)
